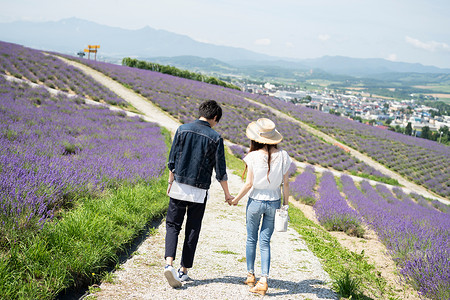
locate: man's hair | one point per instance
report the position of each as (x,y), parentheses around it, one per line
(210,109)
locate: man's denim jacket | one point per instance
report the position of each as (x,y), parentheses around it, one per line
(196,150)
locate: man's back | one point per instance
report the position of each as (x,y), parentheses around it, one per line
(196,150)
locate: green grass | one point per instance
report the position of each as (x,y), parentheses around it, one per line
(235,164)
(77,249)
(337,260)
(226,252)
(386,180)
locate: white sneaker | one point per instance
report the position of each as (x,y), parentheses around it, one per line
(172,276)
(183,276)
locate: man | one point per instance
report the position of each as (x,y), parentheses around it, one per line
(196,150)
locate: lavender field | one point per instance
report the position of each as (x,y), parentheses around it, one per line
(55,149)
(416,233)
(332,210)
(37,67)
(423,161)
(181,97)
(302,188)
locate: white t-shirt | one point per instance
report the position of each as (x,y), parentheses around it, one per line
(264,189)
(181,191)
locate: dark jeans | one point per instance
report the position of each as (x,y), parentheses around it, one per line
(174,220)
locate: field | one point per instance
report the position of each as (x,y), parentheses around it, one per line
(79,184)
(421,161)
(437,88)
(415,231)
(180,97)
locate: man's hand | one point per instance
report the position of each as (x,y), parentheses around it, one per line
(168,189)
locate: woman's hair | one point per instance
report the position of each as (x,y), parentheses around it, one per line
(254,146)
(210,109)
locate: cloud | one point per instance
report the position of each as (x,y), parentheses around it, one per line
(324,37)
(289,45)
(392,57)
(263,42)
(429,46)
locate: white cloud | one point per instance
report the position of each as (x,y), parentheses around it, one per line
(263,42)
(392,57)
(429,46)
(289,45)
(324,37)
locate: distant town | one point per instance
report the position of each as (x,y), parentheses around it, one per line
(405,116)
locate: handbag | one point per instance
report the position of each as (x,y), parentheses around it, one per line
(281,220)
(281,214)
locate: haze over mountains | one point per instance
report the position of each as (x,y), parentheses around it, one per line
(72,35)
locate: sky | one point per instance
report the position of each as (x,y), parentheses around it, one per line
(414,31)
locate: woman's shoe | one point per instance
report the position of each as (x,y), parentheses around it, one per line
(250,281)
(260,288)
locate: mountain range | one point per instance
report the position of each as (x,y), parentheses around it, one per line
(73,35)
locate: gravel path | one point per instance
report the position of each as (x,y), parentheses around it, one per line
(219,266)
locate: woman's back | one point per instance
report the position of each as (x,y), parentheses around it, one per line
(267,186)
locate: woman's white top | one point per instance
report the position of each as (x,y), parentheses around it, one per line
(263,188)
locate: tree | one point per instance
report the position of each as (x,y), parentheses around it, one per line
(426,133)
(444,134)
(408,129)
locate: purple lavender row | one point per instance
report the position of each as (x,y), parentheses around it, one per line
(417,237)
(433,203)
(54,150)
(302,188)
(180,97)
(332,210)
(238,151)
(26,63)
(422,161)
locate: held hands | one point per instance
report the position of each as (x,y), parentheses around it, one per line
(229,199)
(232,201)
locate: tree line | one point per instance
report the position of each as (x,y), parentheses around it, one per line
(170,70)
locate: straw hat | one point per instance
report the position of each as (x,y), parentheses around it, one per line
(263,131)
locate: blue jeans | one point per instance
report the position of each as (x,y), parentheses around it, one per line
(255,210)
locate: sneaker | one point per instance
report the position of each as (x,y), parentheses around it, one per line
(183,276)
(172,276)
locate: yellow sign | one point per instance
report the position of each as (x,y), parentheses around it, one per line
(92,49)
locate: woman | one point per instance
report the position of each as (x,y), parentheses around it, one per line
(267,170)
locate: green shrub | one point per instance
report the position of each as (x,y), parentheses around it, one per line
(346,286)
